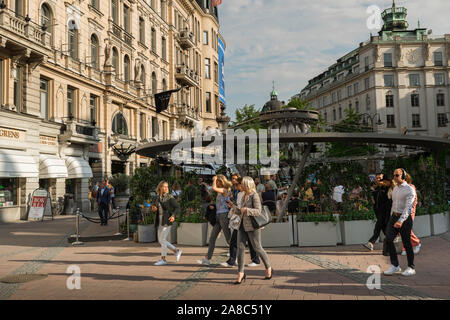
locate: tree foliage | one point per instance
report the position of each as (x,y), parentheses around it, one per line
(247,117)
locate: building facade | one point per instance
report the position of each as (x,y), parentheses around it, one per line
(77,82)
(398,79)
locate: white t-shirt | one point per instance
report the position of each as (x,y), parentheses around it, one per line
(338,191)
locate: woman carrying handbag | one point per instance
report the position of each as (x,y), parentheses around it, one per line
(250,206)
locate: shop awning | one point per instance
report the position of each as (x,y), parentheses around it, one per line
(17,164)
(52,167)
(78,168)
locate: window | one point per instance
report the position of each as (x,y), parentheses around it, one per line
(439,79)
(366,83)
(71,102)
(216,72)
(414,100)
(207,68)
(357,106)
(115,59)
(339,95)
(19,8)
(442,120)
(164,128)
(438,59)
(334,114)
(356,88)
(333,97)
(367,102)
(126,68)
(390,120)
(141,126)
(114,11)
(153,40)
(94,51)
(141,30)
(440,100)
(414,80)
(216,103)
(208,102)
(154,127)
(73,40)
(119,125)
(93,102)
(8,192)
(44,87)
(164,85)
(18,87)
(94,3)
(154,83)
(388,80)
(46,20)
(143,75)
(126,18)
(416,120)
(388,60)
(389,101)
(340,113)
(349,91)
(205,37)
(325,116)
(163,48)
(163,10)
(366,64)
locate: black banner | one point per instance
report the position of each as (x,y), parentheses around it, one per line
(162,100)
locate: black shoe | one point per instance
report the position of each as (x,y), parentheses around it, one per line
(243,279)
(271,274)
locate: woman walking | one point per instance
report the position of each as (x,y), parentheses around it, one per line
(222,186)
(250,205)
(166,209)
(415,242)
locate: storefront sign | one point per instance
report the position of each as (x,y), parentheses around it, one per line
(48,141)
(11,134)
(40,203)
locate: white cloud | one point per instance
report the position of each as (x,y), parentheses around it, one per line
(291,41)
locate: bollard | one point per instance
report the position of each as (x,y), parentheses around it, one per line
(128,226)
(118,223)
(77,242)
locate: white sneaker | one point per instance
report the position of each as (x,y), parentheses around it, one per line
(252,264)
(409,272)
(368,245)
(417,248)
(225,264)
(161,263)
(403,253)
(178,255)
(392,270)
(204,262)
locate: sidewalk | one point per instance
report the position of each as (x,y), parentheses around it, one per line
(124,269)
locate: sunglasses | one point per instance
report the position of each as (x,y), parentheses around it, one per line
(397,175)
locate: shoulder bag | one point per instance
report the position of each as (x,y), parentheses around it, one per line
(263,219)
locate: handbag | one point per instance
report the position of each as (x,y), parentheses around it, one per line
(263,219)
(211,215)
(235,221)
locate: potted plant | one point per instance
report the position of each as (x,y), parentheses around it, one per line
(121,183)
(357,226)
(439,219)
(146,227)
(317,230)
(422,222)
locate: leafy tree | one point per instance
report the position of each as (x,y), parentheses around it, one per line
(299,104)
(248,116)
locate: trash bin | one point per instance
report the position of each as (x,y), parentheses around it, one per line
(68,204)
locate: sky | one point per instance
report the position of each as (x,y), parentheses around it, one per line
(292,41)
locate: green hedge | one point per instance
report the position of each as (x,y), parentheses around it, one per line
(316,218)
(358,215)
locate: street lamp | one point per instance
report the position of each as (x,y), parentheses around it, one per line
(372,118)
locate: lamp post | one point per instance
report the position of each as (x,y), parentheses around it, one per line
(372,118)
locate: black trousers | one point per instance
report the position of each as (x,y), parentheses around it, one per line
(405,233)
(103,212)
(233,250)
(381,225)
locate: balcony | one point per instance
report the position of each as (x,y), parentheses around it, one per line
(187,115)
(22,37)
(79,131)
(186,40)
(120,33)
(186,76)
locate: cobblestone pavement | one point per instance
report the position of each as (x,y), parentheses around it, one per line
(124,269)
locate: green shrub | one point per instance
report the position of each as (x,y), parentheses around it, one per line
(358,215)
(316,218)
(120,182)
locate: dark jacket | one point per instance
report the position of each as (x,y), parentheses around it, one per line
(268,198)
(105,198)
(169,207)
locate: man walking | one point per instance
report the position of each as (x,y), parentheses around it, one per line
(103,201)
(401,221)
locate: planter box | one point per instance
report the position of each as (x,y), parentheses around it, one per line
(172,237)
(277,235)
(422,226)
(193,234)
(338,229)
(357,232)
(220,241)
(311,234)
(146,233)
(439,223)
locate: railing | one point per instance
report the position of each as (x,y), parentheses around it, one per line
(185,72)
(81,127)
(185,110)
(187,39)
(121,33)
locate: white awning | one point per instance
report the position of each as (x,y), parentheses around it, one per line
(78,168)
(17,164)
(52,167)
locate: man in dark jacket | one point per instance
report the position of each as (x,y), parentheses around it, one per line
(103,201)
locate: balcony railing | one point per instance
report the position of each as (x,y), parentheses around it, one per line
(187,39)
(186,76)
(121,33)
(79,130)
(185,110)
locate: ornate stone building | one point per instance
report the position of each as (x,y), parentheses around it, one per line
(77,81)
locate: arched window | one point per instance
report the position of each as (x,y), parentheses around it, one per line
(126,68)
(163,10)
(73,39)
(143,75)
(164,85)
(46,20)
(94,51)
(119,125)
(154,83)
(115,59)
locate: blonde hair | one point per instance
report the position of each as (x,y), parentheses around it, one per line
(408,178)
(249,185)
(160,185)
(224,182)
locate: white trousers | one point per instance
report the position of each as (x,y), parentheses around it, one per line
(163,232)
